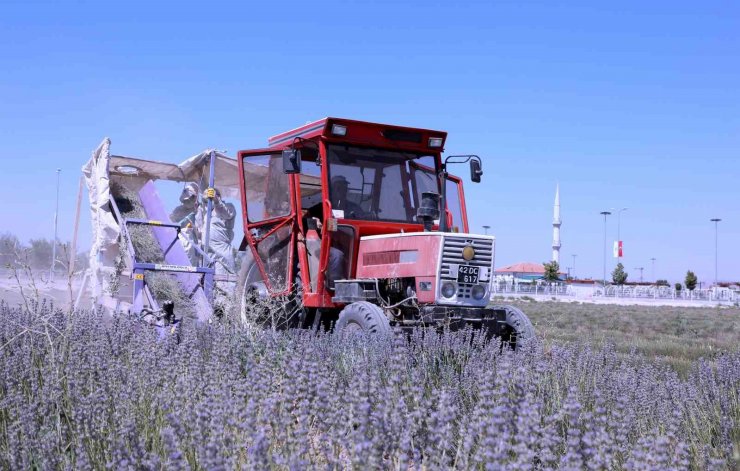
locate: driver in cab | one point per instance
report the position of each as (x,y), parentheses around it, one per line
(339,200)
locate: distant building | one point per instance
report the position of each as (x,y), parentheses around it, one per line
(523,271)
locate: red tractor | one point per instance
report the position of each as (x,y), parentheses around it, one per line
(362,228)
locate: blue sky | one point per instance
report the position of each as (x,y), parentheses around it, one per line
(626,105)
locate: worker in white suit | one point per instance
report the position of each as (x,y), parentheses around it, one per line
(185,215)
(222,231)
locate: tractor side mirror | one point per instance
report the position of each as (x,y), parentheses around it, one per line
(475,170)
(292,161)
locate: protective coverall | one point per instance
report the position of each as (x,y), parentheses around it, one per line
(185,215)
(221,235)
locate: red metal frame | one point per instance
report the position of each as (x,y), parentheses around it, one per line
(461,194)
(359,133)
(277,223)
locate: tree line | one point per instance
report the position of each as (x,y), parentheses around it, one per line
(619,276)
(36,253)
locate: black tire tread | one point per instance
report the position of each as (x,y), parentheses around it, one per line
(368,316)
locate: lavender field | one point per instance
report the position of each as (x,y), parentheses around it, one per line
(80,393)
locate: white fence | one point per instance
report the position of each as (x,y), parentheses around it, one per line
(540,288)
(666,292)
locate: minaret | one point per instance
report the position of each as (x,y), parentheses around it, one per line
(556,226)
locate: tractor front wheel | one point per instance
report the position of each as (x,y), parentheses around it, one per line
(362,318)
(521,330)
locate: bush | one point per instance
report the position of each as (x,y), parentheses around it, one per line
(678,286)
(619,276)
(80,392)
(690,280)
(552,270)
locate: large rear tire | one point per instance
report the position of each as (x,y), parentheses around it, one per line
(258,308)
(249,287)
(362,318)
(521,330)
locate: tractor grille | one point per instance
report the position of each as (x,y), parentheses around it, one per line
(452,255)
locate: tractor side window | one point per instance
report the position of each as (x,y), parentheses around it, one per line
(274,251)
(266,187)
(310,180)
(392,204)
(423,177)
(453,205)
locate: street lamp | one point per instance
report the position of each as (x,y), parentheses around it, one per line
(640,268)
(56,225)
(574,266)
(619,238)
(605,214)
(715,221)
(652,271)
(485,228)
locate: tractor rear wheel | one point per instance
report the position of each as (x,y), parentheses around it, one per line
(362,317)
(521,330)
(249,289)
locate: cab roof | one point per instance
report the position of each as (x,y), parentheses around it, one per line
(364,133)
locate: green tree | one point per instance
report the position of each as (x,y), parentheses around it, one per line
(690,281)
(619,276)
(10,247)
(552,270)
(678,286)
(662,283)
(40,253)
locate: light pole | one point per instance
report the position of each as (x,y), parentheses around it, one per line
(574,266)
(641,269)
(652,270)
(56,225)
(715,221)
(605,214)
(485,228)
(619,238)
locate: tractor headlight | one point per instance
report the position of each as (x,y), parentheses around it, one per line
(448,289)
(478,292)
(468,253)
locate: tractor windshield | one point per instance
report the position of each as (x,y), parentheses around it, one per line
(374,184)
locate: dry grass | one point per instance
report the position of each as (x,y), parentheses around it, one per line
(673,335)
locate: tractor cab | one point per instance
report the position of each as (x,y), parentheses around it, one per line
(340,212)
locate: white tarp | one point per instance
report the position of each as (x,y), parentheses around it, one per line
(147,169)
(104,227)
(195,169)
(226,173)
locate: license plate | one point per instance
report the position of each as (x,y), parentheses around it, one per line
(467,274)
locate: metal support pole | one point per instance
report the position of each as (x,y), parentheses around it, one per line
(211,178)
(605,214)
(73,248)
(56,227)
(137,303)
(716,222)
(652,269)
(574,266)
